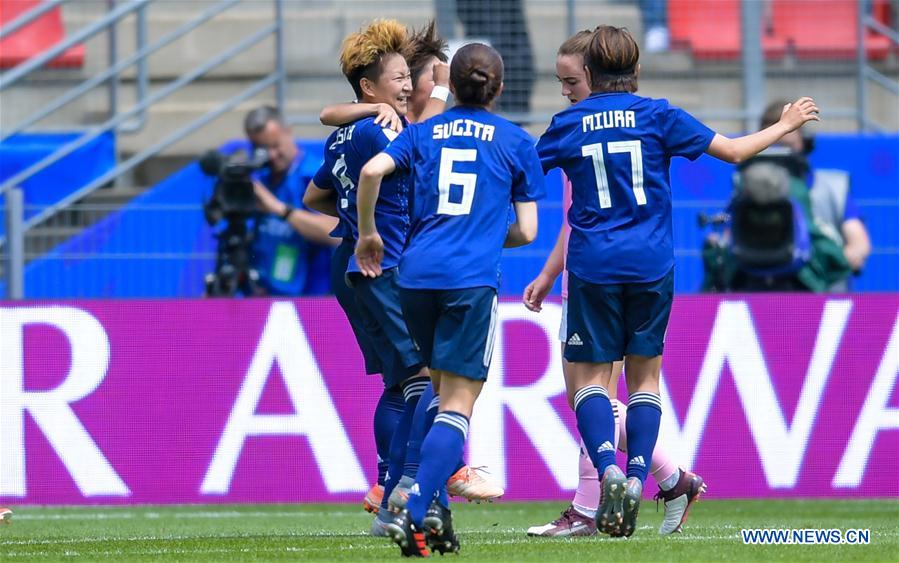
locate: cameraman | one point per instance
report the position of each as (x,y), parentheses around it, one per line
(292,247)
(833,210)
(791,229)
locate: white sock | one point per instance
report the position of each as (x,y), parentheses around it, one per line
(670,482)
(583,511)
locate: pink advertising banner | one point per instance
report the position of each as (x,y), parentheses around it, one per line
(115,402)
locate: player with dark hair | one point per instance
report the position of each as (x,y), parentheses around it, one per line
(616,148)
(470,166)
(373,62)
(678,488)
(425,54)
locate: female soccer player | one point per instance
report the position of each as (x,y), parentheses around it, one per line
(616,147)
(374,64)
(469,167)
(678,488)
(425,54)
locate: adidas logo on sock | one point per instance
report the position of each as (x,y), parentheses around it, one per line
(414,490)
(637,461)
(575,340)
(605,447)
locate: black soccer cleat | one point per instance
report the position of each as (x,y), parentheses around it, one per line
(405,534)
(610,514)
(633,494)
(438,524)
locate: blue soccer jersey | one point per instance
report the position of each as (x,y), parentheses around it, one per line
(616,149)
(346,152)
(469,166)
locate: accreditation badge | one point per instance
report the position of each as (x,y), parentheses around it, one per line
(285,263)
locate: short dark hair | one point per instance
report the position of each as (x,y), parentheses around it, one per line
(257,119)
(423,45)
(476,73)
(612,58)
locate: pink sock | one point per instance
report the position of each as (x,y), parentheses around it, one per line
(587,494)
(662,466)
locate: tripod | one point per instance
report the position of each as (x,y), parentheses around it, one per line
(233,274)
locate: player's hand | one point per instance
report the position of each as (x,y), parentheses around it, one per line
(267,200)
(441,74)
(370,254)
(798,113)
(536,292)
(387,117)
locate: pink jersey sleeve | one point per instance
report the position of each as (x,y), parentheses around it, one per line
(566,204)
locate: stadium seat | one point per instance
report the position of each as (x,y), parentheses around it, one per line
(831,32)
(711,29)
(36,37)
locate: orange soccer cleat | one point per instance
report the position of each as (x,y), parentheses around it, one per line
(467,483)
(374,496)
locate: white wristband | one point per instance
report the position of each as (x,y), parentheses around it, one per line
(440,92)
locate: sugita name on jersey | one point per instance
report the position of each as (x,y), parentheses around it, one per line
(463,128)
(607,120)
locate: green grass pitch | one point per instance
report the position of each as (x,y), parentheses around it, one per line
(488,532)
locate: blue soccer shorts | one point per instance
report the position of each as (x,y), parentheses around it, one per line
(454,328)
(609,321)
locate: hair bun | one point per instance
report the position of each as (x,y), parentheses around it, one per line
(479,75)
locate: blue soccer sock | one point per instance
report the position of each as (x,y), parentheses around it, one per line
(441,450)
(644,413)
(387,415)
(421,423)
(596,423)
(412,390)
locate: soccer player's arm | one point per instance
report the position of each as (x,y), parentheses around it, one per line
(312,226)
(524,230)
(320,194)
(339,114)
(527,187)
(439,94)
(539,288)
(370,247)
(737,150)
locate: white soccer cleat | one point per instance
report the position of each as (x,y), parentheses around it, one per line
(678,500)
(5,515)
(468,484)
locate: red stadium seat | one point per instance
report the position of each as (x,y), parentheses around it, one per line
(711,29)
(825,29)
(36,37)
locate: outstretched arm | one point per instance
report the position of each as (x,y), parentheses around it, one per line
(739,149)
(370,247)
